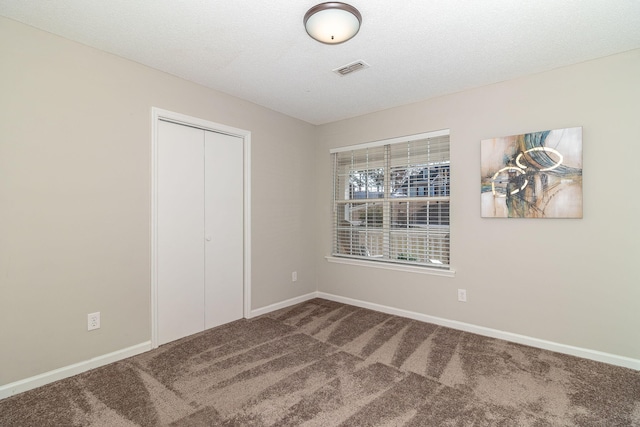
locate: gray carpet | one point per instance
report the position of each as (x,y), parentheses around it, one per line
(322,363)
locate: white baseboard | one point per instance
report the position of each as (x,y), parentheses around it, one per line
(77,368)
(282,304)
(584,353)
(71,370)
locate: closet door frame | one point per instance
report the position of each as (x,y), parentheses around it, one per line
(157,115)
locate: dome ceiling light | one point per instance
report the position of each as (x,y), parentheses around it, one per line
(332,22)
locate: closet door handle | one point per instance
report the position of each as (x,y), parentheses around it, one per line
(208,238)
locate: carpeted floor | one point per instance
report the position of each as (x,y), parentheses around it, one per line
(322,363)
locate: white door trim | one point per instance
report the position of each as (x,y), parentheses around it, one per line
(158,114)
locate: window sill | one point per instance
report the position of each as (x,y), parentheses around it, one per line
(391,266)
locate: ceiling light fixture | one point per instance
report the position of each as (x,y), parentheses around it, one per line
(332,22)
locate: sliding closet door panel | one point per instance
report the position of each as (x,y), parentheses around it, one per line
(224,219)
(180,245)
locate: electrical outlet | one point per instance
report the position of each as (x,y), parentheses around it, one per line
(462,295)
(93,321)
(294,276)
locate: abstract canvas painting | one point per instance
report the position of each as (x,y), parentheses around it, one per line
(532,175)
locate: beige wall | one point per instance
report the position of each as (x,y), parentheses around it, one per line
(574,282)
(75,192)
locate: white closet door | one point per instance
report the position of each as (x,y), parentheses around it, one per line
(224,219)
(180,222)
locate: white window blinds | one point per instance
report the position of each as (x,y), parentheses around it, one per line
(391,201)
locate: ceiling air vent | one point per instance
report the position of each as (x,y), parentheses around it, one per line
(351,68)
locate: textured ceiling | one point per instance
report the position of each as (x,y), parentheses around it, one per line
(417,49)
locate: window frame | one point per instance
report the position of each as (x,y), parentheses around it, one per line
(369,196)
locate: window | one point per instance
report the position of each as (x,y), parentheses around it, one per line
(391,201)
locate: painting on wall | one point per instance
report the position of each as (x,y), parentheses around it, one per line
(533,175)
